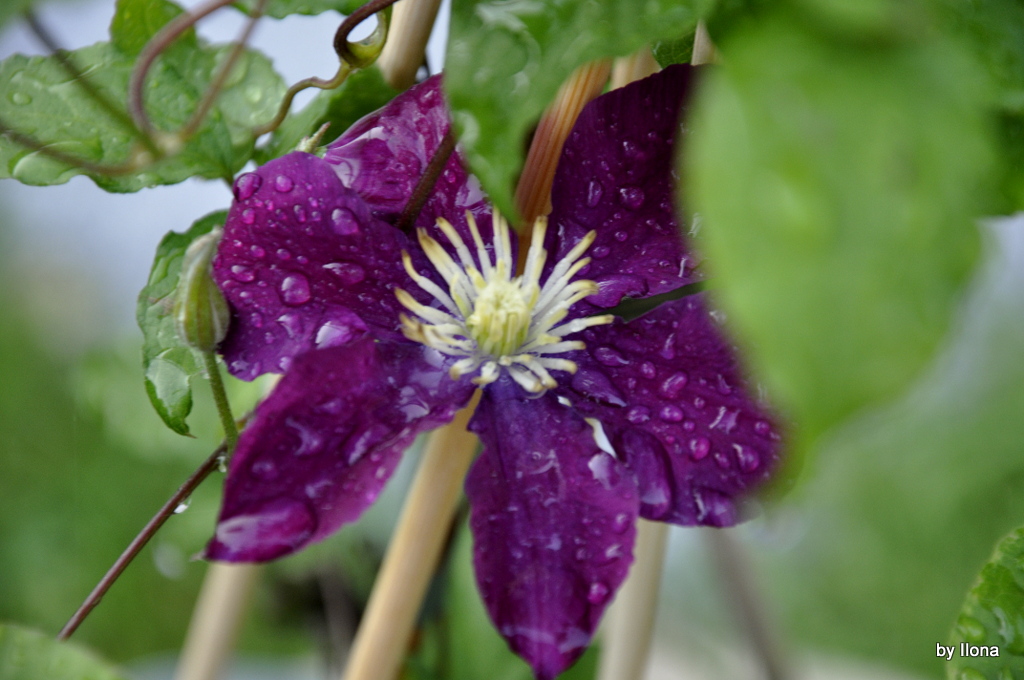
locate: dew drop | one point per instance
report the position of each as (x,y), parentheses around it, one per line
(647,370)
(632,197)
(600,252)
(673,385)
(610,357)
(246,185)
(264,469)
(349,272)
(762,428)
(746,457)
(638,415)
(621,236)
(722,460)
(698,402)
(594,192)
(256,319)
(20,98)
(283,183)
(240,272)
(284,254)
(689,425)
(671,413)
(598,593)
(295,289)
(300,214)
(248,216)
(699,448)
(183,506)
(344,222)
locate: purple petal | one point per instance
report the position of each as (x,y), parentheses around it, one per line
(616,176)
(304,265)
(553,522)
(668,391)
(322,445)
(383,156)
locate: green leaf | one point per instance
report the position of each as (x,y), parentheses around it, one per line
(838,184)
(43,102)
(668,52)
(279,9)
(12,8)
(168,363)
(506,61)
(363,92)
(30,655)
(993,616)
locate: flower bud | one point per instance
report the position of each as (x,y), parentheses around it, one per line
(201,314)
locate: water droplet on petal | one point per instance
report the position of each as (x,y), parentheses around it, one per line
(638,415)
(673,385)
(632,197)
(600,252)
(300,213)
(610,357)
(264,469)
(594,192)
(699,448)
(647,370)
(621,236)
(762,428)
(284,254)
(20,98)
(598,593)
(257,252)
(241,272)
(246,185)
(295,289)
(332,334)
(746,457)
(344,222)
(248,216)
(283,183)
(349,272)
(671,413)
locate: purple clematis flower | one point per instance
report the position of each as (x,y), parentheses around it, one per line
(587,421)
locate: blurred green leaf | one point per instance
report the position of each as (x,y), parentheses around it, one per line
(43,102)
(838,184)
(12,8)
(363,92)
(907,501)
(169,364)
(279,9)
(668,52)
(993,616)
(30,655)
(506,61)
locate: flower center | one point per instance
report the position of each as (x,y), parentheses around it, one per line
(492,320)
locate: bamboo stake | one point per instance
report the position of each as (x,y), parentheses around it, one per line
(413,553)
(216,620)
(411,23)
(627,637)
(533,194)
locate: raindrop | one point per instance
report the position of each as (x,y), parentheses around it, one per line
(257,252)
(699,448)
(600,252)
(240,272)
(671,414)
(594,192)
(344,222)
(295,289)
(284,254)
(183,506)
(632,197)
(300,213)
(689,425)
(610,357)
(20,98)
(264,469)
(638,415)
(247,185)
(673,385)
(283,183)
(598,593)
(746,457)
(762,428)
(621,236)
(349,272)
(723,386)
(248,216)
(647,370)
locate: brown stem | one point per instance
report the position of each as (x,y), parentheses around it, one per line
(140,541)
(427,181)
(157,44)
(137,161)
(211,94)
(64,59)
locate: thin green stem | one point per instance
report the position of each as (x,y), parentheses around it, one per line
(220,397)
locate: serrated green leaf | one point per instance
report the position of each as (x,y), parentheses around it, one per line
(838,184)
(279,9)
(993,617)
(668,52)
(168,363)
(363,92)
(506,61)
(45,103)
(30,655)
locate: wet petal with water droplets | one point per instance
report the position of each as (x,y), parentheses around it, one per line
(615,176)
(553,520)
(697,442)
(321,447)
(330,264)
